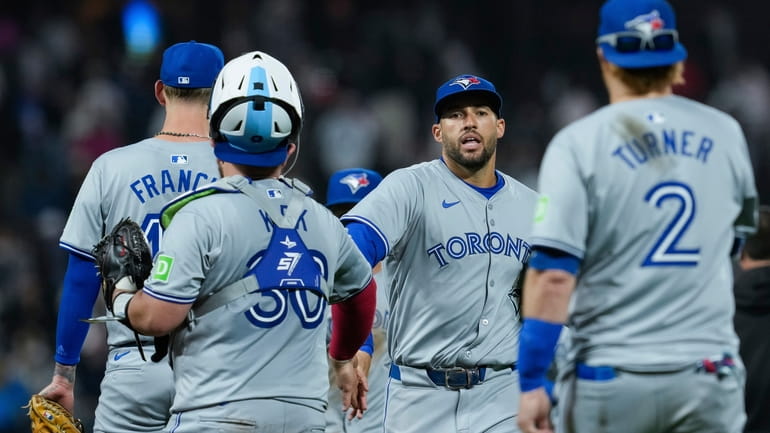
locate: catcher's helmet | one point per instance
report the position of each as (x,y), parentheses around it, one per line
(255,111)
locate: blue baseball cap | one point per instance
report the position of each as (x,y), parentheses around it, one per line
(467,85)
(351,185)
(649,19)
(191,65)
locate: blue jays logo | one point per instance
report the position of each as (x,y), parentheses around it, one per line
(646,23)
(355,181)
(466,82)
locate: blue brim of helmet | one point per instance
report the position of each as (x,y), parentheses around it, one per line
(226,152)
(644,58)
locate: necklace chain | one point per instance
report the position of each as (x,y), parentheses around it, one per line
(181,134)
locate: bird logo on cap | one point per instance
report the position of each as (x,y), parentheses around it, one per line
(646,23)
(466,82)
(355,181)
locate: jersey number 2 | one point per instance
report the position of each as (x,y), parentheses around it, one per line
(665,252)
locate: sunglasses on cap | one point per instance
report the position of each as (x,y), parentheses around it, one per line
(632,42)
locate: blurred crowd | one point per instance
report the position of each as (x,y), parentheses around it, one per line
(70,90)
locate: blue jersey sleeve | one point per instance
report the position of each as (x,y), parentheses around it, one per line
(81,287)
(368,241)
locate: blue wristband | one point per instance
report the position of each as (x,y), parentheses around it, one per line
(537,344)
(368,346)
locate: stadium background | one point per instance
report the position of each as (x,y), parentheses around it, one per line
(76,80)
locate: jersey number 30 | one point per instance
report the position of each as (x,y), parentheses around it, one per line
(665,251)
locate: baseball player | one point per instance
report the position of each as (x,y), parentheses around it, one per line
(346,188)
(134,181)
(453,234)
(640,204)
(245,273)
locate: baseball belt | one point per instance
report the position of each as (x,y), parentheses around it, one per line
(720,366)
(452,378)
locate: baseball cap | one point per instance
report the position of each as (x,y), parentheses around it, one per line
(639,34)
(351,185)
(191,65)
(466,85)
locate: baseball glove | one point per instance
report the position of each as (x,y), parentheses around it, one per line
(122,253)
(48,416)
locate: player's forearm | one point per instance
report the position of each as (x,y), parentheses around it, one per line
(547,294)
(79,292)
(150,316)
(352,322)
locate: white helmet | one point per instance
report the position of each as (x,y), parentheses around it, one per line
(255,111)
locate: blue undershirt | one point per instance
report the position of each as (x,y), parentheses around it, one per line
(79,292)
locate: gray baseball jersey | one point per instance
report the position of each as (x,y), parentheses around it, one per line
(453,258)
(649,194)
(269,344)
(134,181)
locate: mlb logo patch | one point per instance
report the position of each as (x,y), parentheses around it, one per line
(274,193)
(183,80)
(179,159)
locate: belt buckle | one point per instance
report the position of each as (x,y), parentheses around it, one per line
(452,375)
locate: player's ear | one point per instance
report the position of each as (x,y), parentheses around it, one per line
(500,128)
(159,95)
(292,147)
(436,130)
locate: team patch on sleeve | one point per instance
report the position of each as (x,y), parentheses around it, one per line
(540,208)
(163,265)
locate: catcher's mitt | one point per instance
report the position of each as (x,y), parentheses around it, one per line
(48,416)
(122,253)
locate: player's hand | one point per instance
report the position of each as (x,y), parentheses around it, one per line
(62,387)
(364,361)
(349,382)
(534,412)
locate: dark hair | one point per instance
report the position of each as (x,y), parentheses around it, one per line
(201,95)
(758,245)
(645,80)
